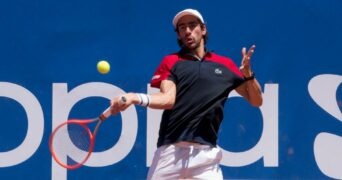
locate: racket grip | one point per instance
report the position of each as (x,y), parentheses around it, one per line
(106,113)
(122,100)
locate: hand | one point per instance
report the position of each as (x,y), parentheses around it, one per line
(117,104)
(246,61)
(121,103)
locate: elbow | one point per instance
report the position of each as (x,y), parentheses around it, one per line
(257,103)
(169,104)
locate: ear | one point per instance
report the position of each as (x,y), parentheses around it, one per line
(204,29)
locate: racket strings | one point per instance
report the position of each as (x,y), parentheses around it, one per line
(79,136)
(71,144)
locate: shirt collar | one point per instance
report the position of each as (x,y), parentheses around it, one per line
(187,54)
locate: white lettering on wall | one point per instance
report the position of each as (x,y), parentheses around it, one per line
(267,146)
(327,146)
(63,101)
(35,128)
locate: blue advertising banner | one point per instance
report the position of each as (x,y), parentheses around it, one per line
(49,51)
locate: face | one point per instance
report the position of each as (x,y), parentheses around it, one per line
(191,32)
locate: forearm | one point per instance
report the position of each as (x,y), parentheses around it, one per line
(164,99)
(161,101)
(253,92)
(158,100)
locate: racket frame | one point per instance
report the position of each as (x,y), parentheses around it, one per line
(92,135)
(103,116)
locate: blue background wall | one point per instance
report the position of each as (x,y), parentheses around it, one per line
(46,42)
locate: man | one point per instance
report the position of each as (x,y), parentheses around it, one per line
(194,85)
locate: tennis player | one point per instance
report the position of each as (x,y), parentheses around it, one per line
(194,85)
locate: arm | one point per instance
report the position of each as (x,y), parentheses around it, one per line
(164,99)
(250,89)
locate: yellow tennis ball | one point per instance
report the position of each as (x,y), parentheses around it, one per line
(103,67)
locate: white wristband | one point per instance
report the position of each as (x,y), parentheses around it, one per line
(149,99)
(140,100)
(144,99)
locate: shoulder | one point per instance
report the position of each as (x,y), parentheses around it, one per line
(170,59)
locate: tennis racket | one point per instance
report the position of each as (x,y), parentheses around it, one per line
(74,137)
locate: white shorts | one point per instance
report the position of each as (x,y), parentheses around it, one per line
(185,160)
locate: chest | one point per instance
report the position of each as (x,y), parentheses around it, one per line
(203,73)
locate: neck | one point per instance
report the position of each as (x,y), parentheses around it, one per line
(199,51)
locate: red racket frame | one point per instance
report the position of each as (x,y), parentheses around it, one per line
(83,124)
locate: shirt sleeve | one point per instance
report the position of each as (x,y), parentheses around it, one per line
(163,71)
(239,79)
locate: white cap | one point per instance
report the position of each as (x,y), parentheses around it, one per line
(180,14)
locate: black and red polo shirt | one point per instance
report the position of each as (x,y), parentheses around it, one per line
(202,89)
